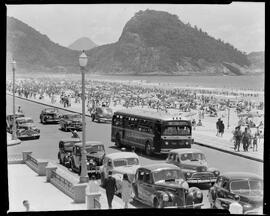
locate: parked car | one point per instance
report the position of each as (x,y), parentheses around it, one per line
(95,153)
(71,122)
(246,188)
(102,114)
(10,120)
(65,150)
(163,185)
(49,115)
(120,163)
(26,128)
(194,165)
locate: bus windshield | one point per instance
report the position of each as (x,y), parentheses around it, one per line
(176,130)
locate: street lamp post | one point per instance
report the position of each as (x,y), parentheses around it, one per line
(83,176)
(228,118)
(14,136)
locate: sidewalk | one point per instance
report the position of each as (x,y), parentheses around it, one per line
(25,184)
(204,135)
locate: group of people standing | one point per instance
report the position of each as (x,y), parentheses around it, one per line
(246,138)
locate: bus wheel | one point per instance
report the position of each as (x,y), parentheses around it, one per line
(148,150)
(118,142)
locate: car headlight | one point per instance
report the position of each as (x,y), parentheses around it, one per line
(188,174)
(216,173)
(166,143)
(186,143)
(165,197)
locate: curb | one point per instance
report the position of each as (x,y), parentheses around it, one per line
(229,152)
(198,143)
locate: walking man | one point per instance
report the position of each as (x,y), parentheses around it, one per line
(110,186)
(237,137)
(217,126)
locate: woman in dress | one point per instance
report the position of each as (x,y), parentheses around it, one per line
(126,190)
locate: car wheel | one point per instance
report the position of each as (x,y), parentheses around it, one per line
(118,141)
(157,204)
(93,118)
(148,150)
(72,166)
(65,128)
(60,160)
(43,120)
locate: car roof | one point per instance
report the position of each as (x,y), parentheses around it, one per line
(158,166)
(89,143)
(149,114)
(24,118)
(240,175)
(118,155)
(185,150)
(71,140)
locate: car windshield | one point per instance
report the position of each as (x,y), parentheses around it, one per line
(167,174)
(193,157)
(107,110)
(95,148)
(244,186)
(176,130)
(126,162)
(24,121)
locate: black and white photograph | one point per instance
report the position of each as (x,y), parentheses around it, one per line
(135,106)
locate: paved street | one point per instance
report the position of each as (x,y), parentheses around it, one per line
(47,146)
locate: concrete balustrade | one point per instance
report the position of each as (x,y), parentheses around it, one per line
(66,183)
(39,166)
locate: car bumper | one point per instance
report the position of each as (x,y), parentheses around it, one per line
(196,181)
(52,120)
(27,136)
(75,127)
(104,119)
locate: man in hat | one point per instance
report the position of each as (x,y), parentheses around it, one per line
(237,137)
(110,187)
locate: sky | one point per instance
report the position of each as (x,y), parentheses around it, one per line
(241,24)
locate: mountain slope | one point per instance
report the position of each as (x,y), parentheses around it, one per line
(83,43)
(36,52)
(158,42)
(257,61)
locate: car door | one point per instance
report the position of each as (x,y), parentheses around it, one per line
(221,193)
(147,187)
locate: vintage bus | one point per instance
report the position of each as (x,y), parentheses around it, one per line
(150,131)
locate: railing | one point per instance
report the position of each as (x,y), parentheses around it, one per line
(97,204)
(62,182)
(33,160)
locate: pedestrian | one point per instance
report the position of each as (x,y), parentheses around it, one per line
(221,128)
(26,205)
(237,138)
(245,140)
(126,190)
(20,109)
(255,140)
(217,126)
(110,187)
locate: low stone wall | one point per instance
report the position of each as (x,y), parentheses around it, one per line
(39,166)
(67,183)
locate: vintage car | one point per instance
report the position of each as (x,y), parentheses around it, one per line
(65,150)
(163,185)
(95,153)
(193,164)
(71,122)
(26,128)
(246,188)
(120,163)
(49,115)
(9,120)
(102,114)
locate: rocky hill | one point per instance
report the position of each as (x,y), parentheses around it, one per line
(152,42)
(257,61)
(34,51)
(83,43)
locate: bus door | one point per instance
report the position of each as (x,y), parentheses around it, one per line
(157,136)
